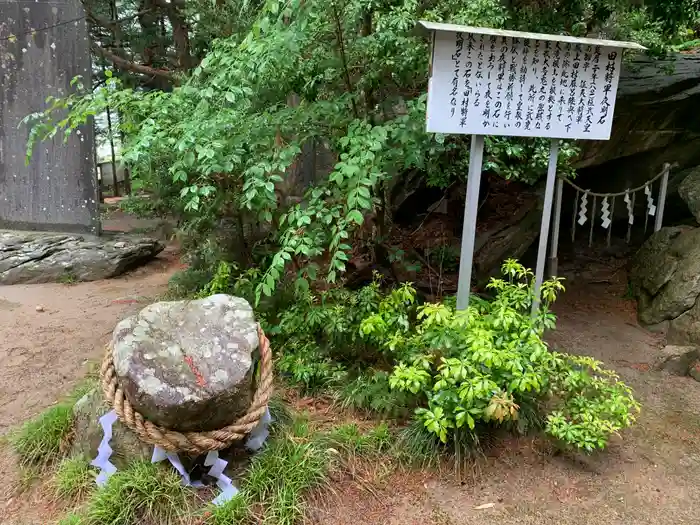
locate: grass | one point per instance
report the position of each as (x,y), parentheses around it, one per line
(43,439)
(276,482)
(143,493)
(74,479)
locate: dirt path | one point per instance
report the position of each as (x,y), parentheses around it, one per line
(43,354)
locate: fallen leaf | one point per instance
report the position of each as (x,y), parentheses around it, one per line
(485,506)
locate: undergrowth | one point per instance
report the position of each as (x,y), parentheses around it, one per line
(142,493)
(460,373)
(74,479)
(43,439)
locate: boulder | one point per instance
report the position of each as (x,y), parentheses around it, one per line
(685,329)
(677,360)
(665,274)
(87,433)
(689,190)
(44,258)
(188,365)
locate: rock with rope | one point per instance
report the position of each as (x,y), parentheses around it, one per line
(184,365)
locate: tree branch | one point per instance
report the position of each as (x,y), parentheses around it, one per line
(127,65)
(343,59)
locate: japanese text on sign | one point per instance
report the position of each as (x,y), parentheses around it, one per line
(498,85)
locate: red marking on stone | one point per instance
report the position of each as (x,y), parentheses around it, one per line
(197,374)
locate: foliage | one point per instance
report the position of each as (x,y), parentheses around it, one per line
(277,77)
(142,493)
(74,478)
(479,367)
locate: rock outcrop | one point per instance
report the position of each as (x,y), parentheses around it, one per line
(189,365)
(87,433)
(42,258)
(665,278)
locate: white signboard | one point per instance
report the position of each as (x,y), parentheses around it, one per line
(485,84)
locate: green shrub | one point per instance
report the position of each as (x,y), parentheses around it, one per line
(482,365)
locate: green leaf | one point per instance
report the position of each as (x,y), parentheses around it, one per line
(355,216)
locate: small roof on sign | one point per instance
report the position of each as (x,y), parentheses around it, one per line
(454,28)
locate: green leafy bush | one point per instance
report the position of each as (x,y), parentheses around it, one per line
(482,365)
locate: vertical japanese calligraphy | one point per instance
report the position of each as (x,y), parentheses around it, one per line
(502,85)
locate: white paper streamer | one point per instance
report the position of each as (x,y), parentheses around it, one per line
(651,208)
(583,210)
(605,213)
(160,454)
(104,451)
(630,214)
(260,433)
(216,471)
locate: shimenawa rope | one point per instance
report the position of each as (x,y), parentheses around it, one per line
(190,442)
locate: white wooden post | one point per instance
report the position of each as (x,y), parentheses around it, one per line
(659,219)
(471,207)
(546,218)
(553,257)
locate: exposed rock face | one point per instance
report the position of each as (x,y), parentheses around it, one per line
(656,121)
(44,258)
(189,365)
(678,360)
(87,433)
(689,191)
(665,278)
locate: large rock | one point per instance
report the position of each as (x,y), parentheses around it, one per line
(188,365)
(689,190)
(44,258)
(656,121)
(87,433)
(665,275)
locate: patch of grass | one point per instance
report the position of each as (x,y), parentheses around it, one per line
(74,479)
(72,519)
(68,278)
(273,487)
(417,447)
(142,493)
(43,439)
(350,440)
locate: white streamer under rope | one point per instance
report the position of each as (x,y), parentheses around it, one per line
(255,441)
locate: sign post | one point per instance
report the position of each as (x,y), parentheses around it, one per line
(510,83)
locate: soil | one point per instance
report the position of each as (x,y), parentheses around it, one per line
(650,475)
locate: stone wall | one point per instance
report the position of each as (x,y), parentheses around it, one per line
(58,190)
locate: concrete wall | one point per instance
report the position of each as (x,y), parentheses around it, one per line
(58,190)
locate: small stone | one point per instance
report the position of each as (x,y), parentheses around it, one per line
(39,308)
(120,244)
(188,365)
(694,371)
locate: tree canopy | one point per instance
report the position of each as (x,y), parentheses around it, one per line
(218,100)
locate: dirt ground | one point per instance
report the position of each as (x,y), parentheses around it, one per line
(43,354)
(649,476)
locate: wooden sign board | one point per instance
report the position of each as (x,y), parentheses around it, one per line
(491,82)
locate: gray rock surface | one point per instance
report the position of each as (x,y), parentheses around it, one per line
(677,360)
(43,258)
(689,190)
(189,365)
(665,275)
(87,433)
